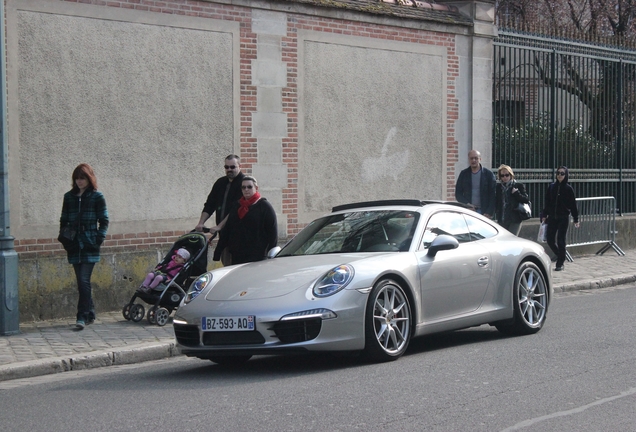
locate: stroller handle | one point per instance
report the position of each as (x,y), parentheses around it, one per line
(204,230)
(207,230)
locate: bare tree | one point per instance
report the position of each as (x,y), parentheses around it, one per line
(608,21)
(592,18)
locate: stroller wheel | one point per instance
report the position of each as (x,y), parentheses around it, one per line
(162,316)
(152,315)
(137,312)
(126,311)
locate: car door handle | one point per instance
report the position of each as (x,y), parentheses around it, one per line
(482,262)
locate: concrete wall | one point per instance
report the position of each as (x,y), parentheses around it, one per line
(324,105)
(149,100)
(361,135)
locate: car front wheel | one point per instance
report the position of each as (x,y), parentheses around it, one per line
(530,301)
(387,322)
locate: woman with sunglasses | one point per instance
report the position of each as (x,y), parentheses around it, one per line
(250,229)
(560,202)
(508,196)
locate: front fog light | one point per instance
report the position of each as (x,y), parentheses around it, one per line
(312,313)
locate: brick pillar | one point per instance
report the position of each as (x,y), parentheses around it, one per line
(477,64)
(269,122)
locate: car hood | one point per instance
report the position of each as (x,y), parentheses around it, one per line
(275,277)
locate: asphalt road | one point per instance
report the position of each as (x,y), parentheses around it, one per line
(577,374)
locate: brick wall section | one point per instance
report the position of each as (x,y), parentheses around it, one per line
(30,248)
(289,50)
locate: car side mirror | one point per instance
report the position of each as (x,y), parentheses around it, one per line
(440,243)
(273,252)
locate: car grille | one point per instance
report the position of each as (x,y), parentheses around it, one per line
(233,338)
(187,335)
(297,330)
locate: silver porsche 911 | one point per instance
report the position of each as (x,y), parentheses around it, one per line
(368,277)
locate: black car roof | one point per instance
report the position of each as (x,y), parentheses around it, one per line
(397,202)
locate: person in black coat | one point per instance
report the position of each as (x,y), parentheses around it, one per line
(509,195)
(250,229)
(560,202)
(225,191)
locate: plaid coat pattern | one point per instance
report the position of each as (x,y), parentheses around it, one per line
(89,216)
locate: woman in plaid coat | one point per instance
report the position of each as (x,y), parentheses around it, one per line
(84,210)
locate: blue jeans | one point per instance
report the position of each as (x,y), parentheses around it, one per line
(85,306)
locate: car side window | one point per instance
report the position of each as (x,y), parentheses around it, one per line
(479,229)
(449,223)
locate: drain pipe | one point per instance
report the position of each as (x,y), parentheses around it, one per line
(9,311)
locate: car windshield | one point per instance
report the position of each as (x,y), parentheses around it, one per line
(358,231)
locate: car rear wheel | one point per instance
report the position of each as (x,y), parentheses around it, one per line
(387,322)
(530,301)
(235,360)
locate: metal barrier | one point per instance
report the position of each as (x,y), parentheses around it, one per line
(598,225)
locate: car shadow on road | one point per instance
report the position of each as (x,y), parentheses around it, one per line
(273,367)
(456,338)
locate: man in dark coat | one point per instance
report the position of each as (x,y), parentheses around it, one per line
(476,186)
(225,191)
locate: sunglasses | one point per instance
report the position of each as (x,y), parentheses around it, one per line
(504,175)
(247,187)
(230,166)
(560,172)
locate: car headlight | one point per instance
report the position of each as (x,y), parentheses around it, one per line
(197,286)
(333,281)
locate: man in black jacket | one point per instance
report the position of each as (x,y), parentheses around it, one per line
(225,191)
(476,186)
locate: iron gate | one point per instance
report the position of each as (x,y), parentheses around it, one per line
(561,102)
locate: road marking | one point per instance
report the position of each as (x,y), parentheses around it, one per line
(578,410)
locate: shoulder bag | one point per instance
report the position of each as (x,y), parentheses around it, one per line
(524,211)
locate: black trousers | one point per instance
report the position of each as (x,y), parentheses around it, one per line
(557,229)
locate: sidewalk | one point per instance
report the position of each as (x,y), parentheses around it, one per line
(47,347)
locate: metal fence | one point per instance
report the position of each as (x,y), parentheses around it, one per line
(561,102)
(598,225)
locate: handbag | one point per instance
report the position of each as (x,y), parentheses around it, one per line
(524,211)
(542,237)
(67,236)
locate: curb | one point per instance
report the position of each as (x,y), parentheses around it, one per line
(126,355)
(597,283)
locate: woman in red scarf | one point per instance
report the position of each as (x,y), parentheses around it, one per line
(250,228)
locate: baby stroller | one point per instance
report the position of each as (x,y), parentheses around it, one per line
(166,297)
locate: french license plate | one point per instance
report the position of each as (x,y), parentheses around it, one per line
(235,323)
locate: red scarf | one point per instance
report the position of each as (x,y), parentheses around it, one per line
(245,204)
